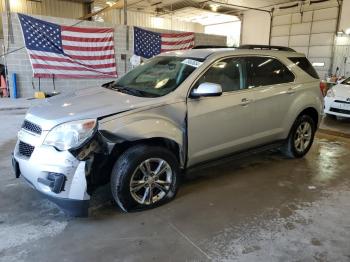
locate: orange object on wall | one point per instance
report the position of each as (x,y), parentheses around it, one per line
(3,87)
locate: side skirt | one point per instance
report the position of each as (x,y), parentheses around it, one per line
(235,156)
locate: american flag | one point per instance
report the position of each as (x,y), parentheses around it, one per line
(68,51)
(148,44)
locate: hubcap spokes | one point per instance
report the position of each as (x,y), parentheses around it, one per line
(303,136)
(151,181)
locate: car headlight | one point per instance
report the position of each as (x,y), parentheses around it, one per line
(330,93)
(71,134)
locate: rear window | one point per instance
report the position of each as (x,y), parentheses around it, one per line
(305,65)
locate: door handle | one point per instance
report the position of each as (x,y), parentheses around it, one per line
(245,101)
(291,91)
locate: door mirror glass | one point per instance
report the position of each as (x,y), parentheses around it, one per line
(207,89)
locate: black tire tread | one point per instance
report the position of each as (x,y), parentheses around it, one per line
(288,147)
(121,170)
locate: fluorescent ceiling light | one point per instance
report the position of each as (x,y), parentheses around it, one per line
(214,7)
(203,17)
(318,64)
(110,2)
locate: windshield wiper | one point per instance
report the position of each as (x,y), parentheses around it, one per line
(123,89)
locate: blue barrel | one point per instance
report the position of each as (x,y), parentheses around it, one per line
(14,86)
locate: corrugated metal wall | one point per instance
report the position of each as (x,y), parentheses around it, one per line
(148,20)
(59,8)
(56,8)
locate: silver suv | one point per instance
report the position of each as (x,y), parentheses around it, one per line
(174,112)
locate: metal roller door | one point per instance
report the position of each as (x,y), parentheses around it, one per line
(310,32)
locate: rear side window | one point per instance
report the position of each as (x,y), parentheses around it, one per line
(305,65)
(264,71)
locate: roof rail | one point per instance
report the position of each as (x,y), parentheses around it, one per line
(266,47)
(211,46)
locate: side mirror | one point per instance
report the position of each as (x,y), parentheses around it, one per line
(207,89)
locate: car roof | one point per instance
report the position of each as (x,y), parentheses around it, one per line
(206,52)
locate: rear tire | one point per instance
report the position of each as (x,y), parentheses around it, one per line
(300,138)
(144,177)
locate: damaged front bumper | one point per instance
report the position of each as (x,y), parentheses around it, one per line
(57,175)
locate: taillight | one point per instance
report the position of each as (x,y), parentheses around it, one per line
(323,88)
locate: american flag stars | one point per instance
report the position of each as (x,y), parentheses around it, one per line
(41,35)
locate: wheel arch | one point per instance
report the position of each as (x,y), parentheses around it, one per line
(312,112)
(173,146)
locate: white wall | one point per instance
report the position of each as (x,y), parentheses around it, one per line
(345,16)
(231,30)
(256,27)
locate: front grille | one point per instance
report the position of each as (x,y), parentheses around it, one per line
(342,102)
(25,149)
(31,127)
(342,111)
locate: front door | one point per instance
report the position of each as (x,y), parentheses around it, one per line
(218,126)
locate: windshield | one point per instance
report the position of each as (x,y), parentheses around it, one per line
(157,77)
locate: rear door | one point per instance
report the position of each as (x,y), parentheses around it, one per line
(274,89)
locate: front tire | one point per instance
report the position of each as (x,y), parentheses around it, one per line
(300,138)
(144,177)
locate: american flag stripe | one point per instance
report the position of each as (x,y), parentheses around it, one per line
(178,39)
(176,48)
(87,30)
(68,72)
(61,60)
(177,42)
(103,67)
(88,49)
(69,76)
(177,34)
(86,35)
(68,51)
(172,42)
(85,44)
(74,53)
(86,39)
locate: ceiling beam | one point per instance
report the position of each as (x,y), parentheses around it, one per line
(117,5)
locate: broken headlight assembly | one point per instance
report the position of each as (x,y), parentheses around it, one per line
(71,134)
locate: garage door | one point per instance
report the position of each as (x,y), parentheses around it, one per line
(310,32)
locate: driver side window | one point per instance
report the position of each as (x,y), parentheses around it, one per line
(228,73)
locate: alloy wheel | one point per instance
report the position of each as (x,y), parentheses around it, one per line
(151,181)
(303,136)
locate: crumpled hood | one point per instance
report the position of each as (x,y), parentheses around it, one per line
(87,103)
(342,91)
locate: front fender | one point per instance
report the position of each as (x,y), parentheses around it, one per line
(168,122)
(147,128)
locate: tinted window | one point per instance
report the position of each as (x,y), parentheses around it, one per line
(305,65)
(263,71)
(227,73)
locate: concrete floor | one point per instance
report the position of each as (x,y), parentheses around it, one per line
(262,208)
(336,126)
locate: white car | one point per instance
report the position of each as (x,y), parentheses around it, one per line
(337,100)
